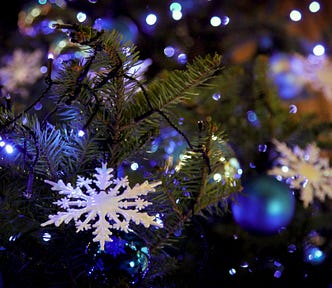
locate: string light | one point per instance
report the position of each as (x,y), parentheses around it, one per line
(318,50)
(295,15)
(215,21)
(81,17)
(9,149)
(81,133)
(314,6)
(151,19)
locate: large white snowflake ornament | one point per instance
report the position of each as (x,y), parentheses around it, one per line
(305,170)
(103,204)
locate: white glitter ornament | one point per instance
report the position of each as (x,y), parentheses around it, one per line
(304,170)
(105,204)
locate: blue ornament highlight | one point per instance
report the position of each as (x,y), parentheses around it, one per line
(264,206)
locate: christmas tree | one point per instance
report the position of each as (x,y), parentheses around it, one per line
(178,144)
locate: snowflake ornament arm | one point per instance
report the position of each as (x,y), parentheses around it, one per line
(111,204)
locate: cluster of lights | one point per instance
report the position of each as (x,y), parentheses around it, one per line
(170,52)
(176,8)
(295,15)
(9,149)
(216,21)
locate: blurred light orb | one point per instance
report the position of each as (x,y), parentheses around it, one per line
(314,255)
(151,19)
(81,17)
(225,20)
(215,21)
(9,149)
(169,51)
(293,109)
(176,15)
(295,15)
(314,7)
(264,206)
(182,58)
(318,50)
(175,6)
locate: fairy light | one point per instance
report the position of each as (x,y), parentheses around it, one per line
(295,15)
(81,17)
(81,133)
(314,7)
(215,21)
(169,51)
(225,20)
(318,50)
(151,19)
(134,166)
(175,6)
(9,149)
(49,65)
(176,15)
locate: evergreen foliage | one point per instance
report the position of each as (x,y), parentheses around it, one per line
(120,116)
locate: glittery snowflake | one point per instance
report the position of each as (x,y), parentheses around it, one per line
(304,170)
(20,70)
(104,204)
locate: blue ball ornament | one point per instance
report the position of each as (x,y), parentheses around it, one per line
(125,260)
(264,206)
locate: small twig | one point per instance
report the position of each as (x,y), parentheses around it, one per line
(156,110)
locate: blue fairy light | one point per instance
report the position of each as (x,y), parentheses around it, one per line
(182,58)
(9,149)
(232,271)
(81,133)
(277,274)
(46,237)
(225,20)
(38,106)
(291,248)
(314,255)
(292,109)
(216,96)
(169,51)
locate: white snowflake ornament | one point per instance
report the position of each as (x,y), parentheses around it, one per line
(102,204)
(21,69)
(304,170)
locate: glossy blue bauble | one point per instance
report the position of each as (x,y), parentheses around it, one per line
(264,206)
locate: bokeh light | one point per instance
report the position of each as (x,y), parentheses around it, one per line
(318,50)
(314,6)
(151,19)
(295,15)
(215,21)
